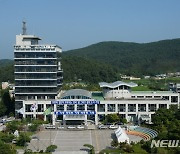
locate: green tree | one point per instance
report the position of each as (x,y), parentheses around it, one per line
(23,139)
(51,148)
(91,148)
(6,148)
(111,118)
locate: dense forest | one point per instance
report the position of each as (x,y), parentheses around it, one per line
(106,60)
(134,58)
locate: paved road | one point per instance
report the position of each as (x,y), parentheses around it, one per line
(73,140)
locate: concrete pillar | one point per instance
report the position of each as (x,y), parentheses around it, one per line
(147,107)
(24,110)
(106,109)
(85,114)
(75,107)
(157,106)
(126,109)
(96,115)
(116,108)
(53,115)
(137,108)
(45,110)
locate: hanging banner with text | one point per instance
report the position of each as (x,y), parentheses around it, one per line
(60,102)
(74,112)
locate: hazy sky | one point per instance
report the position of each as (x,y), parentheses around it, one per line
(78,23)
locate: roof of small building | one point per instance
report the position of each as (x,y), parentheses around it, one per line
(117,84)
(77,92)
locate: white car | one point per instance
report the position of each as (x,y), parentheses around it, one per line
(71,127)
(80,127)
(61,127)
(102,127)
(113,127)
(50,127)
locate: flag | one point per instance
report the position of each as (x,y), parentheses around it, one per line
(34,107)
(47,111)
(21,111)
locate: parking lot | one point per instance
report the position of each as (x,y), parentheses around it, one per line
(73,140)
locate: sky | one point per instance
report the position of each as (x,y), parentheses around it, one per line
(74,24)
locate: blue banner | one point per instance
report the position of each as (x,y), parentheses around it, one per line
(74,112)
(60,102)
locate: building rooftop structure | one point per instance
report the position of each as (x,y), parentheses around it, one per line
(117,84)
(77,93)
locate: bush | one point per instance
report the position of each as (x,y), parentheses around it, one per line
(33,127)
(91,148)
(6,148)
(23,138)
(114,143)
(7,138)
(51,148)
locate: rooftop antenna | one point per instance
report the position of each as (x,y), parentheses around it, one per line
(24,28)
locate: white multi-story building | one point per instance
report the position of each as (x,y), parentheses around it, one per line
(81,105)
(38,73)
(76,106)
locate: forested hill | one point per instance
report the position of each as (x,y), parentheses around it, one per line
(134,58)
(106,60)
(73,69)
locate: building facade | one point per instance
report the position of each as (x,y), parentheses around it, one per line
(83,106)
(38,73)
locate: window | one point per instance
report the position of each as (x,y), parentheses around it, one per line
(157,97)
(40,107)
(111,108)
(101,107)
(80,107)
(163,106)
(90,107)
(142,107)
(140,96)
(151,107)
(174,99)
(121,107)
(148,96)
(165,97)
(60,107)
(70,107)
(131,107)
(28,108)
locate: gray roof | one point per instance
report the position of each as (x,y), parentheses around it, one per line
(77,92)
(117,84)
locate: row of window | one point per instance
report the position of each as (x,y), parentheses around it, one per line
(131,107)
(173,98)
(101,107)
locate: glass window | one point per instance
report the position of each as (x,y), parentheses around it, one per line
(131,107)
(121,107)
(142,107)
(60,107)
(111,107)
(70,107)
(80,107)
(101,107)
(91,107)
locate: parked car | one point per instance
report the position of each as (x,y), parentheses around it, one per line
(102,127)
(50,127)
(71,127)
(119,123)
(80,127)
(113,127)
(61,127)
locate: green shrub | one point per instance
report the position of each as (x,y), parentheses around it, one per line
(51,148)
